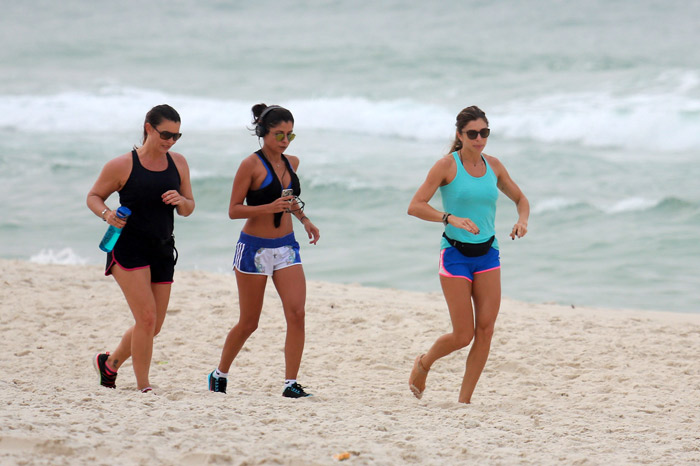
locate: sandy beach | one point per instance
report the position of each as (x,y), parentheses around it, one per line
(562,385)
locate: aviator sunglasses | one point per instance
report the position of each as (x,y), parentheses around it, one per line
(165,135)
(280,136)
(472,133)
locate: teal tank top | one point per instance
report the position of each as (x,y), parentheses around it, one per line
(473,198)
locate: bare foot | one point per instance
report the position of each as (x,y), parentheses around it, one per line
(416,381)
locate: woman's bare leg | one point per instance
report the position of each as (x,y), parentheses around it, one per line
(161,293)
(136,286)
(251,291)
(457,293)
(487,302)
(291,286)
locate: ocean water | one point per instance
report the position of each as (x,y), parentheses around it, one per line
(594,110)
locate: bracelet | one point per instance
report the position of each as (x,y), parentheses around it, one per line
(302,219)
(103,214)
(445,218)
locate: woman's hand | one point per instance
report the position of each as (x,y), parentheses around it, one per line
(173,197)
(283,204)
(112,219)
(519,230)
(312,231)
(183,204)
(463,223)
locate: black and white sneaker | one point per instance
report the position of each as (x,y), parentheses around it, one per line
(295,391)
(217,384)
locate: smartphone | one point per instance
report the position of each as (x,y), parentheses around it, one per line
(287,192)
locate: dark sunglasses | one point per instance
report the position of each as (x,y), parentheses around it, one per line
(472,133)
(165,135)
(280,136)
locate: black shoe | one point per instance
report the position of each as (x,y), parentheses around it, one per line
(295,391)
(217,384)
(107,376)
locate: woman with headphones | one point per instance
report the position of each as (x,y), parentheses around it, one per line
(267,181)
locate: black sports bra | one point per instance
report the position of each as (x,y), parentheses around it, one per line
(267,193)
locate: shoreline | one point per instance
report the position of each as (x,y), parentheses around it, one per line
(562,385)
(43,258)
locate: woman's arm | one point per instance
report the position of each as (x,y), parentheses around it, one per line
(184,199)
(111,179)
(419,206)
(512,190)
(311,230)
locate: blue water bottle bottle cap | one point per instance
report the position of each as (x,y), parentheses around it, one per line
(123,212)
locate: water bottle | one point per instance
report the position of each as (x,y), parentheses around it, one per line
(112,235)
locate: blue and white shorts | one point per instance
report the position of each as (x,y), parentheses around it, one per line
(262,256)
(455,264)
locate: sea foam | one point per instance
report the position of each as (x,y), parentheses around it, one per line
(658,120)
(65,256)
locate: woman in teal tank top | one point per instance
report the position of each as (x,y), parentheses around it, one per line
(470,274)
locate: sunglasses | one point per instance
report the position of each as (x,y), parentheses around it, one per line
(297,205)
(472,133)
(280,136)
(165,135)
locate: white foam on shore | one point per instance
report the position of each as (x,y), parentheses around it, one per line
(65,256)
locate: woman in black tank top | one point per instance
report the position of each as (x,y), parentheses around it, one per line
(152,182)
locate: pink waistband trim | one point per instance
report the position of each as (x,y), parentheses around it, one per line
(114,261)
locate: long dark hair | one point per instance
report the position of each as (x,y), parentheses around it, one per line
(272,118)
(157,114)
(463,118)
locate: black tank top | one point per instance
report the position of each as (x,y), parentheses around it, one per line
(150,216)
(272,191)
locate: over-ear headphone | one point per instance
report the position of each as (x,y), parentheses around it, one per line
(260,128)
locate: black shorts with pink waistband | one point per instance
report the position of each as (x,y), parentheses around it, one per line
(133,252)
